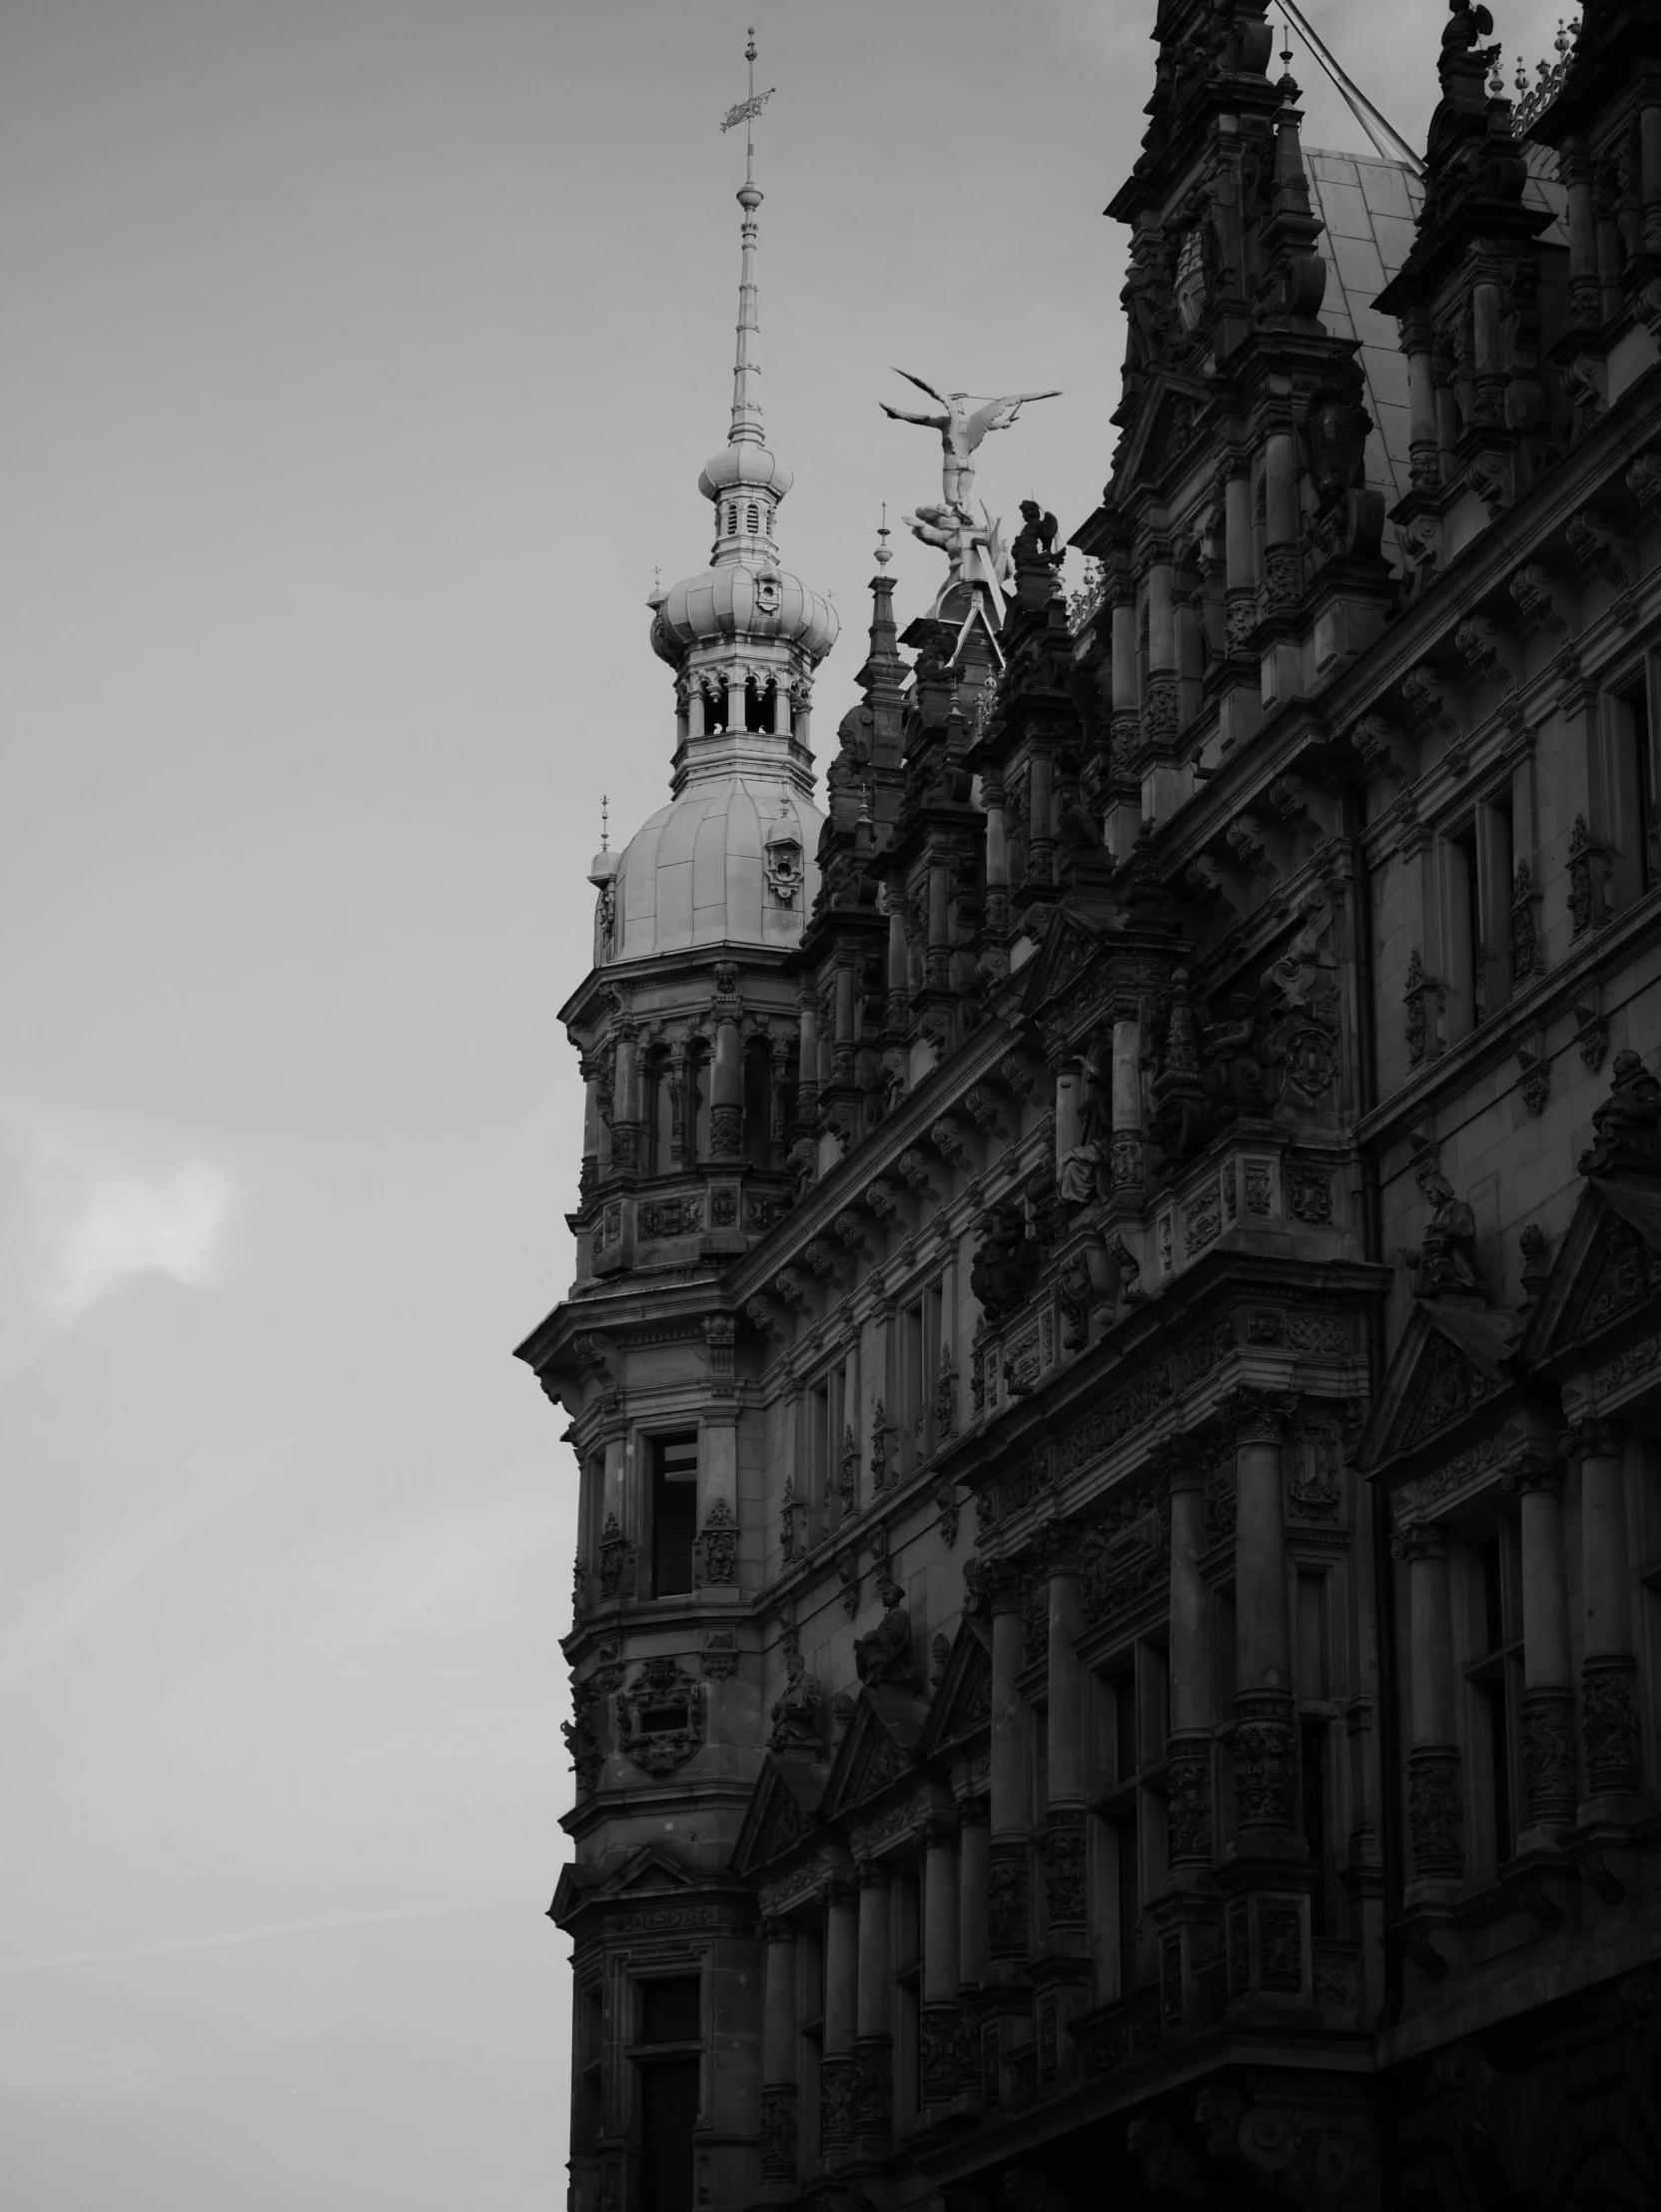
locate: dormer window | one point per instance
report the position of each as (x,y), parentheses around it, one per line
(767,594)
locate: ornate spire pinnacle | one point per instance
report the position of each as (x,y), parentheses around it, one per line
(746,400)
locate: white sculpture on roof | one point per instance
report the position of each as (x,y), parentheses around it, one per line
(965,421)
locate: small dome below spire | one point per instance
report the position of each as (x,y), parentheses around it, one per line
(745,469)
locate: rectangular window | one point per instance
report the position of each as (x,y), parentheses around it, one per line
(674,1512)
(1496,1677)
(670,2018)
(912,1444)
(1130,1907)
(818,1460)
(1463,949)
(1124,1728)
(1632,823)
(668,2114)
(1493,900)
(1313,1781)
(586,2117)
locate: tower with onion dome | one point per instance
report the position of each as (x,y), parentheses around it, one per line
(692,1044)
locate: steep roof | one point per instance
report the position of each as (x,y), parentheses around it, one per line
(1370,207)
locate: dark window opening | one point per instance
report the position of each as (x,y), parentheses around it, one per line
(674,1514)
(1129,1908)
(670,2010)
(1125,1726)
(756,703)
(1500,1769)
(1493,1596)
(1312,1779)
(758,1090)
(1471,964)
(1637,863)
(668,2113)
(717,714)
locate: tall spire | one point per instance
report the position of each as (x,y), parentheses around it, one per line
(746,398)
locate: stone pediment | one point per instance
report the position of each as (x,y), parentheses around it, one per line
(1608,1271)
(878,1750)
(1069,945)
(962,1704)
(782,1814)
(1163,426)
(648,1871)
(1450,1363)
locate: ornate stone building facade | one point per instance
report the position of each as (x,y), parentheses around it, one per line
(1114,1368)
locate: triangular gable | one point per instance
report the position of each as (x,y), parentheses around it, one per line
(1450,1364)
(877,1750)
(1607,1270)
(782,1812)
(1070,944)
(571,1892)
(1145,449)
(962,1704)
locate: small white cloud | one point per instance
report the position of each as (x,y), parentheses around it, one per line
(114,1223)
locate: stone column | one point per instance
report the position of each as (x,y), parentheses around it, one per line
(839,2068)
(807,1061)
(898,960)
(1649,169)
(1069,1120)
(874,2026)
(842,1054)
(1424,468)
(1159,707)
(1608,1673)
(1435,1813)
(726,1096)
(1488,312)
(1007,1900)
(778,2058)
(1189,1746)
(1127,1096)
(1548,1758)
(625,1103)
(1280,517)
(1125,814)
(1575,167)
(937,970)
(1041,829)
(996,856)
(973,1961)
(939,2023)
(588,1174)
(1063,1828)
(1266,1764)
(1238,566)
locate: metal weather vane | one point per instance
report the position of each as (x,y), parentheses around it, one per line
(746,111)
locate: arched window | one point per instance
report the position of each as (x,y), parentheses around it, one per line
(755,519)
(697,1100)
(716,710)
(755,705)
(732,518)
(758,1102)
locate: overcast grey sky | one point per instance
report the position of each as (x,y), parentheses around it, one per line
(361,356)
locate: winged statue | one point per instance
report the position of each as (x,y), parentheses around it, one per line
(967,420)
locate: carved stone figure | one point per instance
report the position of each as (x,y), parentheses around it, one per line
(1626,1139)
(884,1656)
(1006,1262)
(1447,1260)
(795,1714)
(1034,541)
(965,421)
